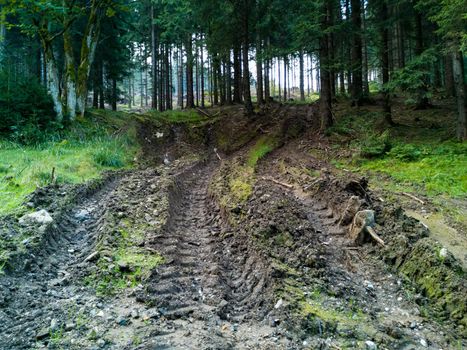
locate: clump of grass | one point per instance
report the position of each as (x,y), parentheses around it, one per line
(440,169)
(179,116)
(91,146)
(263,146)
(374,145)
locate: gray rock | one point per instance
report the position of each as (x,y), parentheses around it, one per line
(53,325)
(370,345)
(39,217)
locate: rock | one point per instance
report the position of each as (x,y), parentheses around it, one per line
(423,342)
(53,325)
(69,326)
(42,334)
(370,345)
(443,253)
(39,217)
(122,321)
(135,313)
(123,266)
(82,215)
(279,304)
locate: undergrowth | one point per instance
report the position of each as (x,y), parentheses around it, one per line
(411,157)
(102,141)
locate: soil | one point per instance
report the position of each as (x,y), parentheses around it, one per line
(155,258)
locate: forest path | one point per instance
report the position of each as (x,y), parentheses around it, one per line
(204,295)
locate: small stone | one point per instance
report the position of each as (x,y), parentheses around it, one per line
(122,321)
(134,313)
(39,217)
(123,266)
(101,342)
(69,326)
(423,342)
(82,215)
(443,253)
(53,325)
(42,334)
(279,304)
(370,345)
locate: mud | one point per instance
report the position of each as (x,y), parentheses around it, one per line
(166,257)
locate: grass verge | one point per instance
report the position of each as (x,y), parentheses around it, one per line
(102,141)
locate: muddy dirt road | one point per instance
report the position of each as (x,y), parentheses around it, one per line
(166,257)
(203,296)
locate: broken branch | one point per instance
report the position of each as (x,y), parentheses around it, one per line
(375,236)
(277,182)
(413,197)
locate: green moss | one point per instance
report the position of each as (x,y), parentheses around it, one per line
(438,278)
(178,116)
(109,277)
(240,189)
(262,147)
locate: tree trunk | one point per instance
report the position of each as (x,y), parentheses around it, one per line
(448,76)
(88,51)
(357,92)
(180,77)
(259,72)
(168,98)
(366,86)
(114,94)
(285,79)
(384,32)
(458,70)
(153,60)
(190,103)
(325,76)
(302,77)
(53,79)
(422,99)
(202,73)
(229,81)
(246,69)
(237,97)
(101,86)
(69,77)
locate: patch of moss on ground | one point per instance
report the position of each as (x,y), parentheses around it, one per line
(261,148)
(438,276)
(126,266)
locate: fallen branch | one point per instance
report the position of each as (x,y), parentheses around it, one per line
(413,197)
(217,154)
(375,236)
(277,182)
(203,112)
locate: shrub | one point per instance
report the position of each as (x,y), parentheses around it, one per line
(108,158)
(375,145)
(406,152)
(27,113)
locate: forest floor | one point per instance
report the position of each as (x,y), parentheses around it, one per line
(232,233)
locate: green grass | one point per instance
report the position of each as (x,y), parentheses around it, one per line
(98,143)
(178,116)
(413,158)
(263,146)
(438,168)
